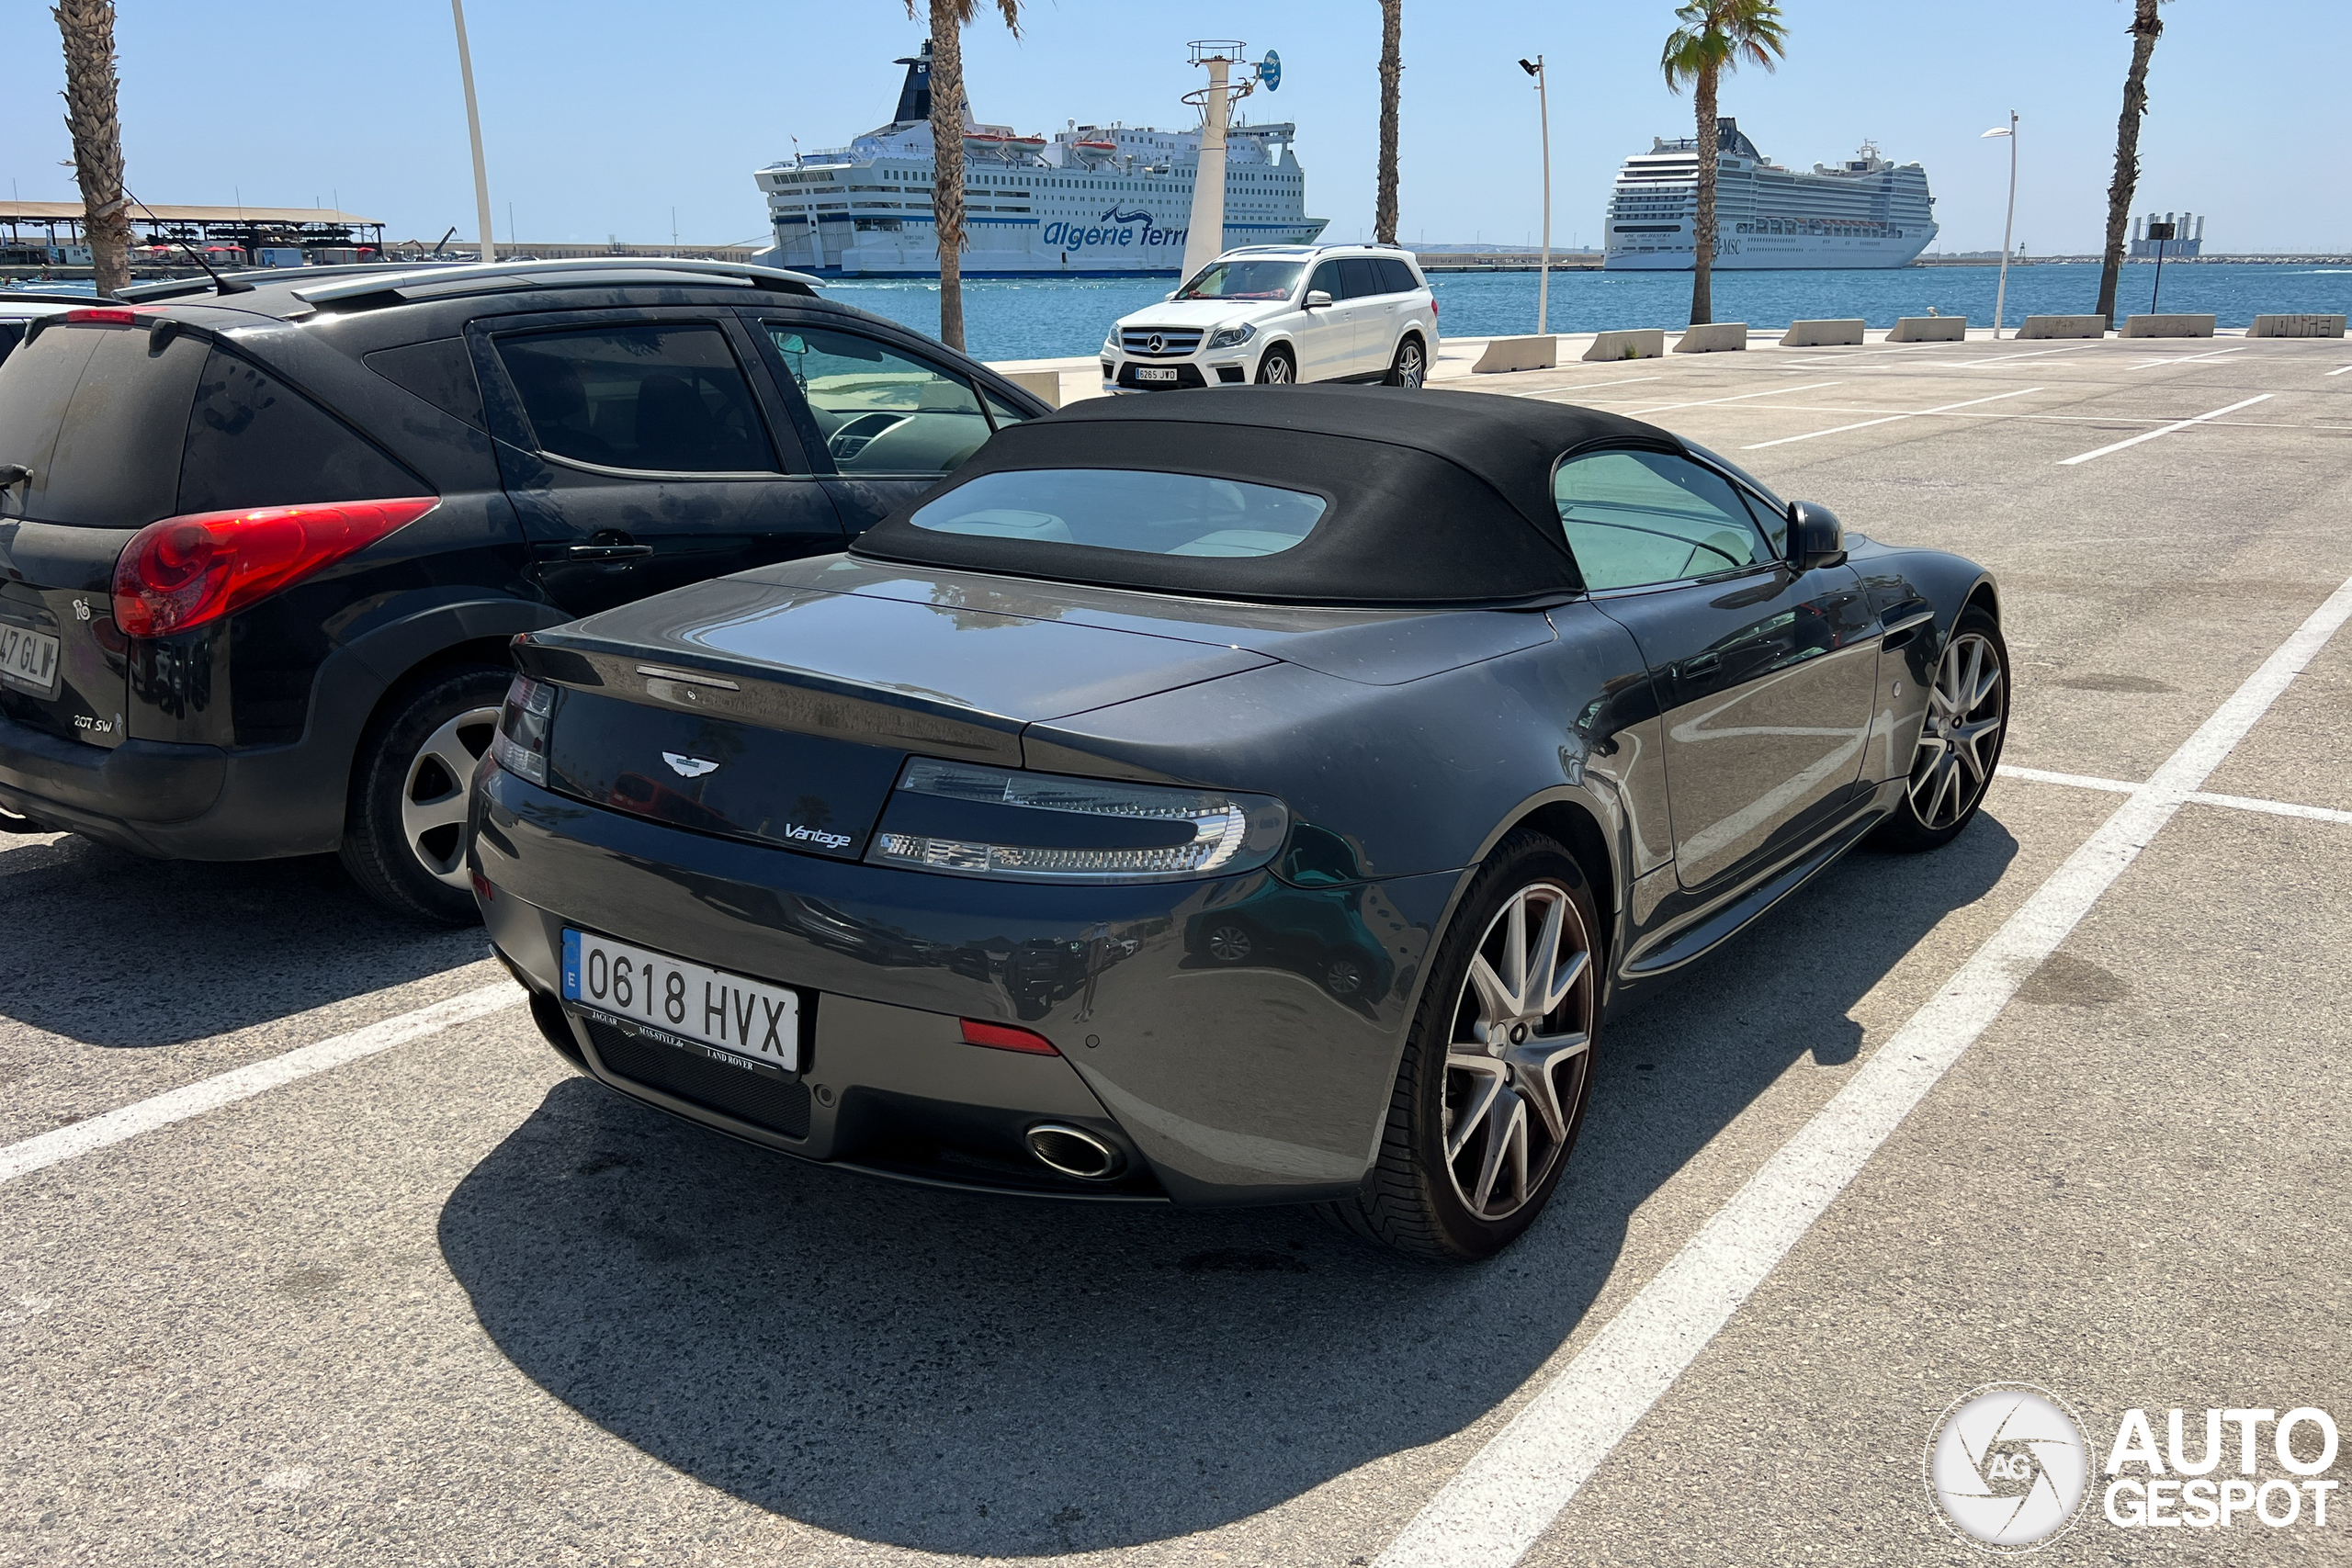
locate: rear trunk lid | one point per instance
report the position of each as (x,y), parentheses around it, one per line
(782,713)
(98,413)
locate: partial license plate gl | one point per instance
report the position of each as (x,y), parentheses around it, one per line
(1156,373)
(709,1006)
(29,659)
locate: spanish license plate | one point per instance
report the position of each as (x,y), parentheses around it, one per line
(29,659)
(1156,373)
(706,1007)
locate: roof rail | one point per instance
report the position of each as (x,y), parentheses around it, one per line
(393,278)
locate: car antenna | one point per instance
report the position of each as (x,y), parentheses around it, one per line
(441,242)
(219,284)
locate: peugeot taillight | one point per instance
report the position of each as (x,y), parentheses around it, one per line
(106,315)
(184,571)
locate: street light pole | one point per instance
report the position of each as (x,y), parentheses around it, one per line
(1544,119)
(2001,294)
(473,128)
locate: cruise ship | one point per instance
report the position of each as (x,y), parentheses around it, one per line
(1865,211)
(1092,198)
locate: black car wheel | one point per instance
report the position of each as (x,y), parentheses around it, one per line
(1960,743)
(1411,368)
(404,832)
(1277,368)
(1492,1090)
(1228,944)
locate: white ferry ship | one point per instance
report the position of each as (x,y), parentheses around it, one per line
(1093,198)
(1865,211)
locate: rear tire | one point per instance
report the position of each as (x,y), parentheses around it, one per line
(1411,368)
(404,836)
(1960,742)
(1491,1092)
(1277,368)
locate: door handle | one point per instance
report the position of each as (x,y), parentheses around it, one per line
(608,552)
(1703,664)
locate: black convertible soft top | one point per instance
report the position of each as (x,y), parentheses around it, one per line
(1436,498)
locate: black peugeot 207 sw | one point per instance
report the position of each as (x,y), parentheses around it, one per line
(262,549)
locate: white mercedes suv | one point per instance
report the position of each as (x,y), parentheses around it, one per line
(1274,314)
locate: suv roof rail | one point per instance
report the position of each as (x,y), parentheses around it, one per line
(320,285)
(394,278)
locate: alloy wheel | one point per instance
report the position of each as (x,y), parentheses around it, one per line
(1413,364)
(433,794)
(1520,1046)
(1274,371)
(1962,738)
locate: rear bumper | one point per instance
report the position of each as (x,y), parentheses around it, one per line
(175,801)
(1262,1079)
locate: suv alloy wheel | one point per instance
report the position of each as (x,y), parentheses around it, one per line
(1411,368)
(1276,369)
(404,833)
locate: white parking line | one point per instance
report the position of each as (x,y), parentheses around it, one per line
(2186,358)
(1890,419)
(1582,387)
(1741,397)
(2234,802)
(2340,369)
(2162,430)
(1512,1489)
(256,1077)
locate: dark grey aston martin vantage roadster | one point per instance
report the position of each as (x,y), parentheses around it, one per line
(1224,798)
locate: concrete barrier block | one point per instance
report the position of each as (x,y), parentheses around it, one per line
(2063,326)
(1713,337)
(1046,384)
(1822,334)
(1930,328)
(2168,326)
(1638,343)
(2296,326)
(1517,354)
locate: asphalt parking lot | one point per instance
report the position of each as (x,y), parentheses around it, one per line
(2063,1104)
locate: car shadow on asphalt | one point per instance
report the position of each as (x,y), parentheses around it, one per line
(115,950)
(995,1377)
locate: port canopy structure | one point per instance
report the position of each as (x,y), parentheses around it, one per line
(246,227)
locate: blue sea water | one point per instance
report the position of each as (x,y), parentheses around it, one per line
(1050,318)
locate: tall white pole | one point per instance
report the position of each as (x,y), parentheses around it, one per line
(1204,238)
(2001,294)
(473,128)
(1544,119)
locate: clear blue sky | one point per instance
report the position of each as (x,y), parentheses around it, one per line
(602,116)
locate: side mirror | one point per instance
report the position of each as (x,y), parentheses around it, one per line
(1170,295)
(1815,537)
(1317,299)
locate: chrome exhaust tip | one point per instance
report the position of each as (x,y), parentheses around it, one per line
(1074,1151)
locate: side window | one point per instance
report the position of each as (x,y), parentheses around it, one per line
(1326,278)
(657,398)
(253,441)
(1637,518)
(1362,275)
(881,410)
(1397,276)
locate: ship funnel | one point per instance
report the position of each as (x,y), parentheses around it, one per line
(915,94)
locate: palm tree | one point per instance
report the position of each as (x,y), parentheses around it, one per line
(2146,26)
(948,19)
(1392,67)
(89,30)
(1715,36)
